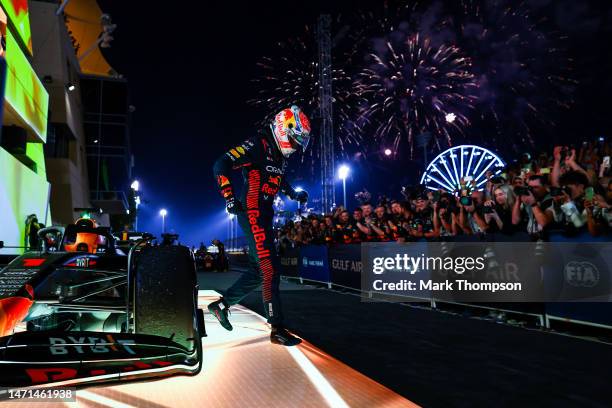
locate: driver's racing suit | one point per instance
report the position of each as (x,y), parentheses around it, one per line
(263,169)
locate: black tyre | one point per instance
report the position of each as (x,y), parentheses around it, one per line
(165,296)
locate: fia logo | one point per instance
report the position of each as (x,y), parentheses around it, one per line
(581,274)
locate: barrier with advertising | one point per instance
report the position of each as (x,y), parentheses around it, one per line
(345,265)
(313,263)
(289,259)
(342,265)
(597,313)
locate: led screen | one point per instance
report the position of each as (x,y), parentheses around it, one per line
(24,92)
(17,11)
(22,192)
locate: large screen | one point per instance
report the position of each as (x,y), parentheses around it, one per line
(19,15)
(24,92)
(22,193)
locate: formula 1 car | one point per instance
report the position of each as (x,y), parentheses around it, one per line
(81,310)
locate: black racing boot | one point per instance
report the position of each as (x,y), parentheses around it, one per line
(280,335)
(221,313)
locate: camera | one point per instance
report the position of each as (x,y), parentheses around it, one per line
(487,209)
(466,201)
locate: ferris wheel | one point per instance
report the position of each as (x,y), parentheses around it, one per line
(467,163)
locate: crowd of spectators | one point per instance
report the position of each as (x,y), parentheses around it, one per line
(569,190)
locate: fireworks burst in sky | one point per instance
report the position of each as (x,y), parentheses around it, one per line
(292,78)
(414,86)
(486,70)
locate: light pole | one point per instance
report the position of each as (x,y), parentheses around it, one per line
(343,173)
(163,214)
(135,186)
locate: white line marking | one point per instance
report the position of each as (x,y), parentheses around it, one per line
(99,399)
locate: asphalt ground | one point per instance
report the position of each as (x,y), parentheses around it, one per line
(439,359)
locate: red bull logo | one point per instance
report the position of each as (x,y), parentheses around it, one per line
(259,234)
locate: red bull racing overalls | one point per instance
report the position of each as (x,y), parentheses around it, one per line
(263,168)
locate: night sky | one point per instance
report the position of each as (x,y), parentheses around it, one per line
(190,73)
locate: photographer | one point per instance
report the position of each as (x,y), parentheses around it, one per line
(448,214)
(534,208)
(498,212)
(470,219)
(599,217)
(575,185)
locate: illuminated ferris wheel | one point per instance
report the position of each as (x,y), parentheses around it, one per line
(467,163)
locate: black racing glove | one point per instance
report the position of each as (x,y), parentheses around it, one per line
(233,206)
(301,196)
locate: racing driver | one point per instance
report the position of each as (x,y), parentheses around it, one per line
(263,160)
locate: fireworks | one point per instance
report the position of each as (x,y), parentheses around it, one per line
(292,78)
(405,69)
(414,86)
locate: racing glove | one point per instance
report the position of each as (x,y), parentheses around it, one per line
(233,206)
(301,196)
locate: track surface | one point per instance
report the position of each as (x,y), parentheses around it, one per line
(441,360)
(243,369)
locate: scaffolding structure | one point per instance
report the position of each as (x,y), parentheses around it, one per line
(326,135)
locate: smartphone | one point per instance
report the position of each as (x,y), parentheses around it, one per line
(606,162)
(545,170)
(589,193)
